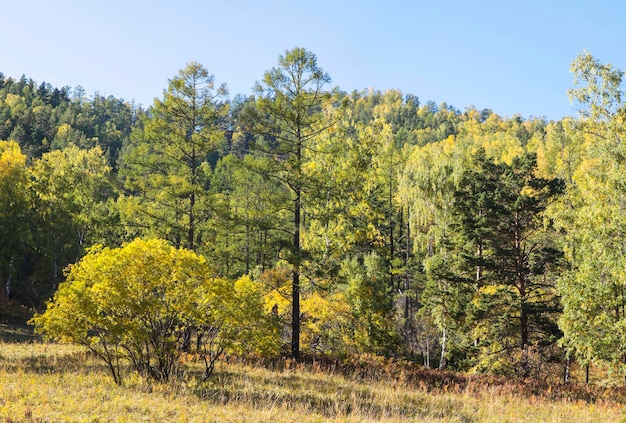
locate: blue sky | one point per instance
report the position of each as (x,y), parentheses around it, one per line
(512,57)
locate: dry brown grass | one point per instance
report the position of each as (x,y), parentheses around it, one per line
(52,383)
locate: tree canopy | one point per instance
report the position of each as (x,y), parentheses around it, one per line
(363,222)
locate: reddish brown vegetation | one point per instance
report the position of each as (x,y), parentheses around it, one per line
(410,375)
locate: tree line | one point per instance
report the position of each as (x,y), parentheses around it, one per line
(364,222)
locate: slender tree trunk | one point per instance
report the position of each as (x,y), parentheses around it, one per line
(295,281)
(295,284)
(479,268)
(7,286)
(228,232)
(524,326)
(442,360)
(191,235)
(521,281)
(407,274)
(192,201)
(186,344)
(247,231)
(523,310)
(392,251)
(9,283)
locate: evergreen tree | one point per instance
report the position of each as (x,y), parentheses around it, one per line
(167,167)
(506,257)
(287,117)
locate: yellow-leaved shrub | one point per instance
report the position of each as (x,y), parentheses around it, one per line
(134,305)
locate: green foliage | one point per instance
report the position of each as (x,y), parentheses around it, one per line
(73,188)
(61,207)
(592,213)
(167,167)
(357,217)
(45,118)
(244,231)
(498,282)
(286,118)
(354,315)
(371,306)
(230,316)
(14,212)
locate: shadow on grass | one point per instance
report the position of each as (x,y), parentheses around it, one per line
(76,362)
(326,397)
(371,370)
(13,323)
(17,333)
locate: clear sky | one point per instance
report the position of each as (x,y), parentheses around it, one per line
(509,56)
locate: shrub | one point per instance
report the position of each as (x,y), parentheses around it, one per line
(133,305)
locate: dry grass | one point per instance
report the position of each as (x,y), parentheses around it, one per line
(53,383)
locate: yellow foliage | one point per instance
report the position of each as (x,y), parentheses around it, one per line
(492,289)
(13,180)
(277,287)
(63,129)
(13,100)
(324,320)
(11,158)
(134,303)
(277,301)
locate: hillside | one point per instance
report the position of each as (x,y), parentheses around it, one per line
(308,221)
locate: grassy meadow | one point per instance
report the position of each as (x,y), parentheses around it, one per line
(43,382)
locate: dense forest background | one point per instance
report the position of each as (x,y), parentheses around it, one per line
(372,222)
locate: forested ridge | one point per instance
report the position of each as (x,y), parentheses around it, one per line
(326,222)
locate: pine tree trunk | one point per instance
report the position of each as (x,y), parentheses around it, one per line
(295,284)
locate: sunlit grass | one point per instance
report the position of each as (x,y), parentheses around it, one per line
(54,383)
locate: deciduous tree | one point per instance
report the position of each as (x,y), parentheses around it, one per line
(14,207)
(593,214)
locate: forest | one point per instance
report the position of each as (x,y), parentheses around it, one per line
(305,220)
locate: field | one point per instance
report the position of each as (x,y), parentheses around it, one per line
(55,383)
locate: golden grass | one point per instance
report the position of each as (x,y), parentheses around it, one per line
(52,383)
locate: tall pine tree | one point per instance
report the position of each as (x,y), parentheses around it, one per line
(500,289)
